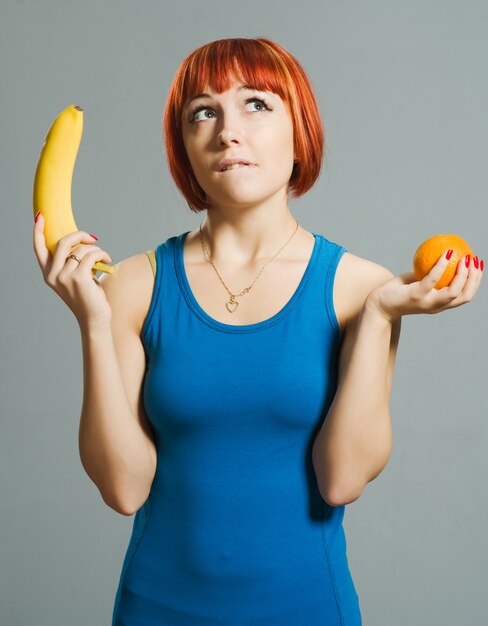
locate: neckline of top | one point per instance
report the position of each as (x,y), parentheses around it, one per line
(235,328)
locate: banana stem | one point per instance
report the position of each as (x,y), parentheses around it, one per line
(102,267)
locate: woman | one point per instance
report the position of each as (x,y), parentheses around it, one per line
(236,396)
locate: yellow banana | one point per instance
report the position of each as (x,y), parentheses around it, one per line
(53,179)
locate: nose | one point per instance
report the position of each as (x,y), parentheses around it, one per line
(228,137)
(230,131)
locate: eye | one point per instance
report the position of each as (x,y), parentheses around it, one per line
(196,110)
(202,107)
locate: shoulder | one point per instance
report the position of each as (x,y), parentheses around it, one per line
(355,279)
(129,289)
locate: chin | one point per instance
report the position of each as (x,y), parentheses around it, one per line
(239,201)
(246,195)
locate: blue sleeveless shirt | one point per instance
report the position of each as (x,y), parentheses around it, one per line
(234,531)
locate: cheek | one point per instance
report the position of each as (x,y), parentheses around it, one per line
(194,152)
(192,158)
(277,148)
(190,149)
(278,138)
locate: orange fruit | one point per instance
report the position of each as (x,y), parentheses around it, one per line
(429,252)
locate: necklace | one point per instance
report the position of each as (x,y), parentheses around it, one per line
(232,304)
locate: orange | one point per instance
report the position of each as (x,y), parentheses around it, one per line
(429,252)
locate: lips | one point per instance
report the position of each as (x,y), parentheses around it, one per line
(233,161)
(231,168)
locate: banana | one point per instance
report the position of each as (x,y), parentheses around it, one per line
(54,176)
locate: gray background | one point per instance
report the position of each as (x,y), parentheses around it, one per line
(402,88)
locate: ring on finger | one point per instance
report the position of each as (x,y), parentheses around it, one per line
(73,256)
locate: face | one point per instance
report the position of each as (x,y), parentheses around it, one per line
(239,123)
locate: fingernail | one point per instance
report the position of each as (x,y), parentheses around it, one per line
(482,265)
(467,260)
(37,215)
(449,254)
(476,262)
(94,236)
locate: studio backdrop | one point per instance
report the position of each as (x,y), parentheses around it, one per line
(403,93)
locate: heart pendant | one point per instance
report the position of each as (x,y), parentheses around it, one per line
(231,305)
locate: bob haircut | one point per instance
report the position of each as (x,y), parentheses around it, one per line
(266,66)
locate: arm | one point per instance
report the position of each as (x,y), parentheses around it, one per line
(355,440)
(116,443)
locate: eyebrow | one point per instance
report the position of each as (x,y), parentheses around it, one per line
(206,95)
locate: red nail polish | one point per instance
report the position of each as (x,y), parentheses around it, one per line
(476,262)
(94,236)
(449,254)
(37,216)
(467,260)
(482,265)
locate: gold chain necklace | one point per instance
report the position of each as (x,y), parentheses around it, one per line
(232,304)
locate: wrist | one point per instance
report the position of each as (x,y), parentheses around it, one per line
(373,308)
(93,329)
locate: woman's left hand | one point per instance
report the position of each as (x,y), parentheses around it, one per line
(404,295)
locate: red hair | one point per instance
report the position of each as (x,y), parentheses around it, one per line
(265,65)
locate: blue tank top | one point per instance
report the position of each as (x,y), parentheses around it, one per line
(234,531)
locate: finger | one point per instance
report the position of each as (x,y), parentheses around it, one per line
(408,277)
(472,282)
(457,284)
(89,260)
(465,284)
(65,246)
(432,278)
(39,242)
(71,265)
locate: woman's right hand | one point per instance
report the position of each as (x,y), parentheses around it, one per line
(74,282)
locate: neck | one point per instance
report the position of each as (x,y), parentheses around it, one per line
(245,241)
